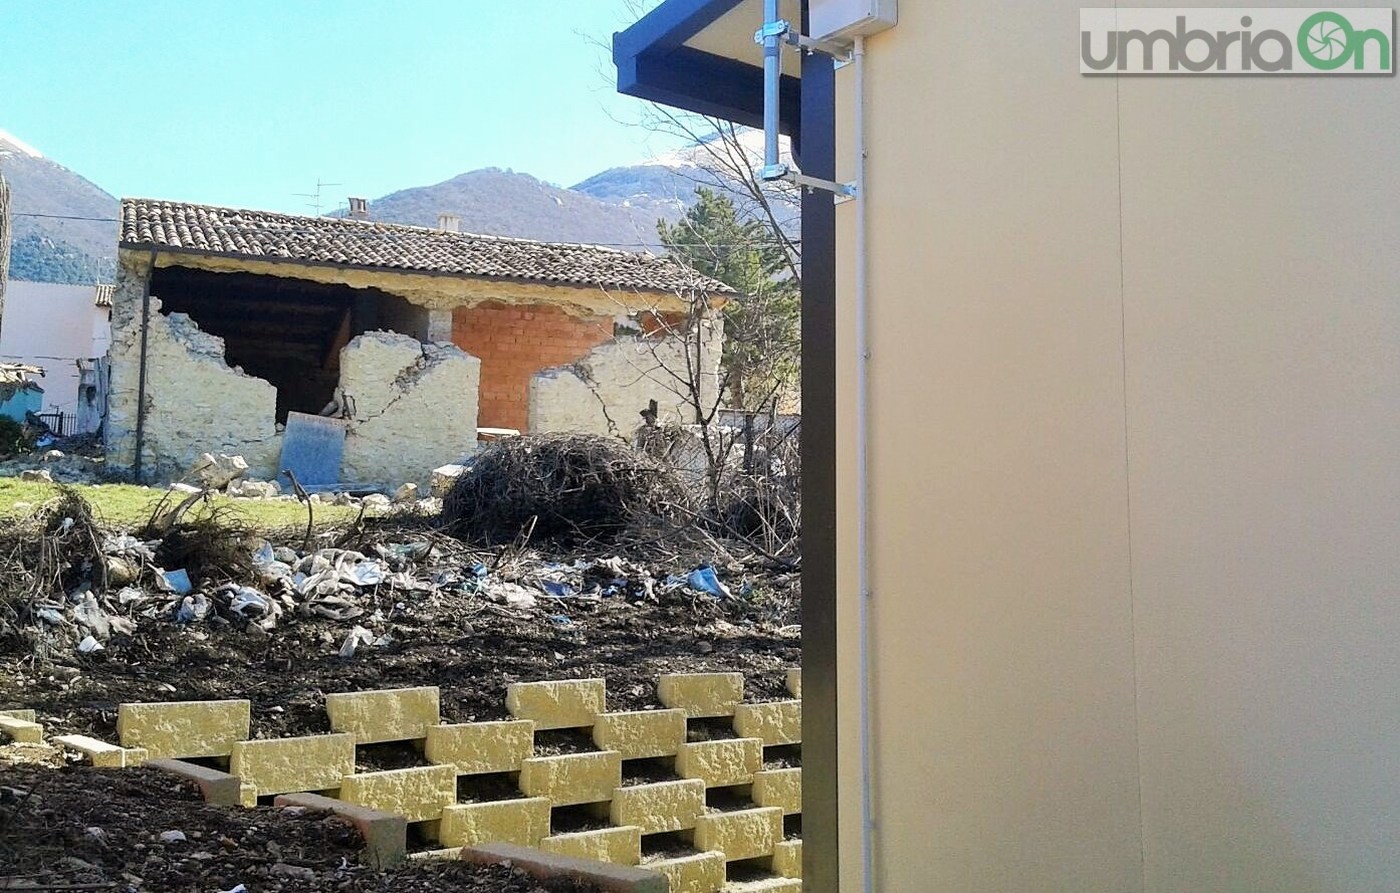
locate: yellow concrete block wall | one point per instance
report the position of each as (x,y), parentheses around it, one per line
(619,846)
(419,794)
(524,822)
(777,722)
(293,765)
(558,705)
(779,787)
(374,717)
(744,834)
(184,729)
(481,747)
(702,694)
(642,734)
(722,763)
(787,859)
(573,779)
(700,873)
(659,808)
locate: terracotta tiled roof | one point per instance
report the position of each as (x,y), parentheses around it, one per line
(265,235)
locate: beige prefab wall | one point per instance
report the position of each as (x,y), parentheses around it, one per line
(1134,449)
(604,392)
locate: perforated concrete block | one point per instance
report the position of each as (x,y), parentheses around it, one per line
(292,765)
(617,846)
(794,682)
(787,859)
(403,714)
(573,778)
(779,787)
(419,794)
(744,834)
(700,873)
(721,763)
(777,722)
(481,747)
(21,731)
(101,754)
(525,822)
(570,704)
(701,694)
(641,735)
(660,807)
(184,729)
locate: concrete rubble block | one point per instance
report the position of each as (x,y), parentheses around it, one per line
(642,734)
(558,705)
(481,747)
(589,873)
(101,754)
(794,682)
(744,834)
(413,403)
(701,694)
(787,859)
(779,787)
(525,822)
(572,779)
(215,471)
(291,765)
(373,717)
(20,730)
(245,489)
(385,834)
(616,846)
(31,475)
(443,479)
(777,722)
(661,807)
(218,788)
(406,494)
(699,873)
(722,763)
(185,729)
(419,794)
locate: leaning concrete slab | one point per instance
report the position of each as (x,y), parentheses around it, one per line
(700,873)
(569,704)
(101,754)
(617,846)
(745,834)
(419,794)
(21,731)
(385,834)
(702,694)
(779,787)
(290,765)
(776,722)
(373,717)
(543,865)
(218,788)
(524,822)
(642,734)
(481,747)
(722,763)
(660,807)
(184,729)
(787,859)
(573,779)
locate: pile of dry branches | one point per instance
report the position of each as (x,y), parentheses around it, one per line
(561,488)
(50,550)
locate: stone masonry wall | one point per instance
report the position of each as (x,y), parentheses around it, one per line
(515,342)
(604,392)
(414,407)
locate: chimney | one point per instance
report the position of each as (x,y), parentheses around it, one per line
(359,208)
(449,223)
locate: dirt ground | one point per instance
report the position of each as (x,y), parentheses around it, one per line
(88,829)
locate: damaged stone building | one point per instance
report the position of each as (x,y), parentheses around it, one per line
(227,323)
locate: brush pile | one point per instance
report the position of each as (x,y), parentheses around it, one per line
(560,488)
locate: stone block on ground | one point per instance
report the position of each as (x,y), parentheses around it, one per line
(21,731)
(660,807)
(721,763)
(776,722)
(218,788)
(524,822)
(544,865)
(568,704)
(642,734)
(744,834)
(419,794)
(216,470)
(617,846)
(699,873)
(373,717)
(481,747)
(101,754)
(572,779)
(290,765)
(701,694)
(184,729)
(443,478)
(385,834)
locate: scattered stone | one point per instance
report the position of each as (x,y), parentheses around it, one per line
(251,489)
(406,494)
(217,471)
(377,501)
(186,489)
(54,456)
(41,475)
(172,836)
(444,477)
(120,572)
(300,872)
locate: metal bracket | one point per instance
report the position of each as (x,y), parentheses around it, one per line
(773,173)
(783,29)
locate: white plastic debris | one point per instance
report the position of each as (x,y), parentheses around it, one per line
(193,608)
(359,636)
(88,645)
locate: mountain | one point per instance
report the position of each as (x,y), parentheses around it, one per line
(49,249)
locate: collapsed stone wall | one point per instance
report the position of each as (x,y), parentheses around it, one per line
(412,407)
(604,392)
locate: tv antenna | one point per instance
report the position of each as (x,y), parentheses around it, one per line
(316,204)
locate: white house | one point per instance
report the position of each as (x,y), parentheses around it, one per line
(53,327)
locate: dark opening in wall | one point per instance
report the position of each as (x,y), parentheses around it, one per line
(288,332)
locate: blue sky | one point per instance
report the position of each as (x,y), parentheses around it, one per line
(247,102)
